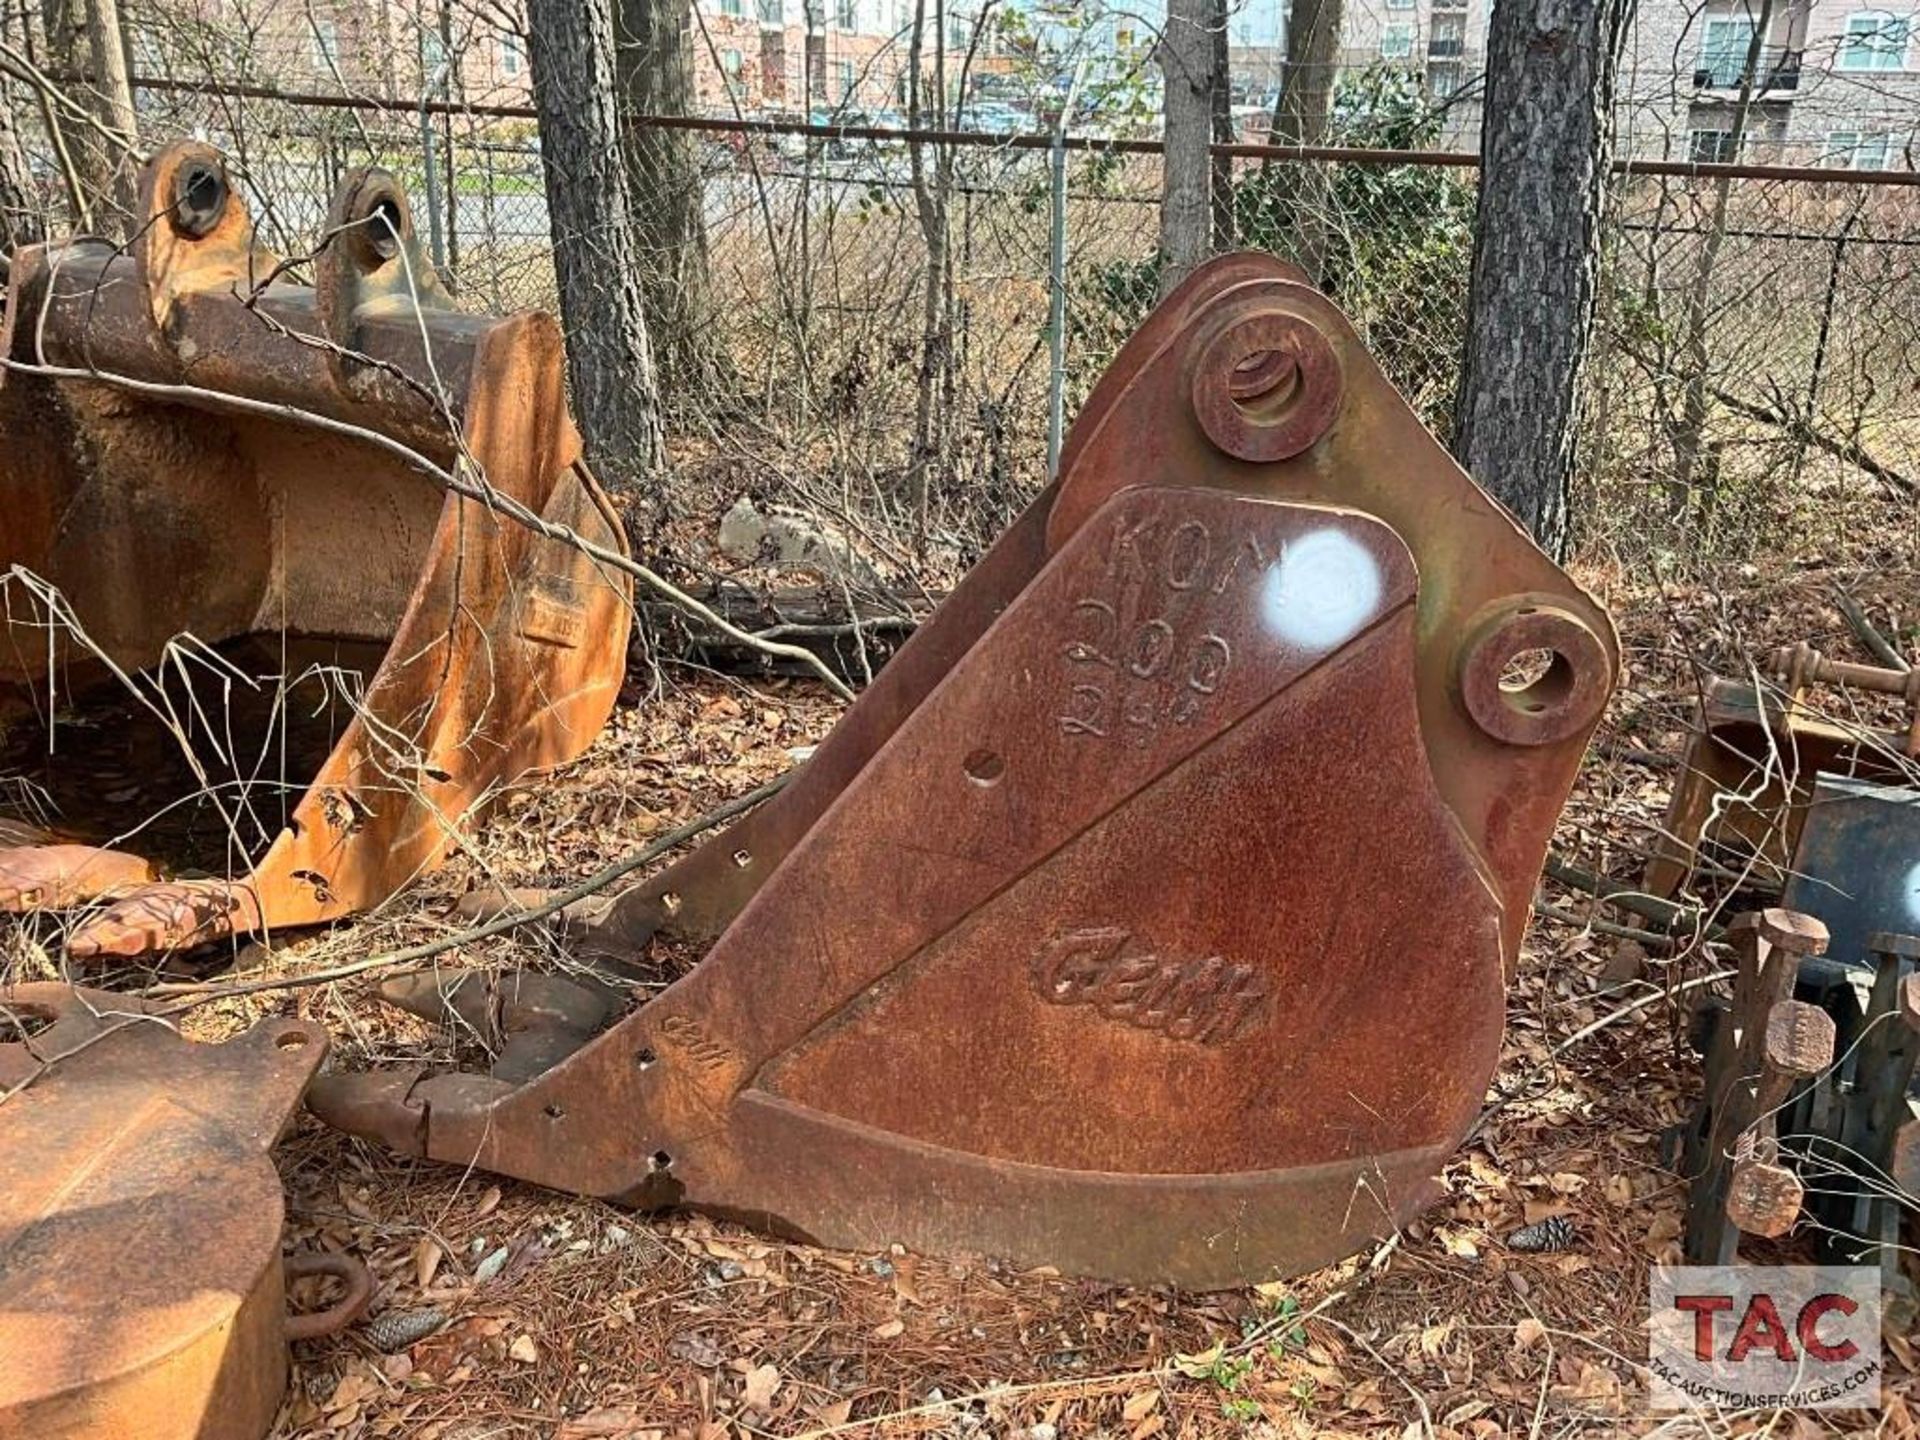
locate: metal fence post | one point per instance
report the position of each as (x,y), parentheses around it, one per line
(436,239)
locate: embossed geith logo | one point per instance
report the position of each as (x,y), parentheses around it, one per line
(1206,1000)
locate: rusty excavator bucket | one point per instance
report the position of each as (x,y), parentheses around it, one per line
(1148,916)
(258,662)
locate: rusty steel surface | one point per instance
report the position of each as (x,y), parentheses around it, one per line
(141,1281)
(475,652)
(1857,864)
(1757,1046)
(1746,781)
(1152,922)
(1809,1107)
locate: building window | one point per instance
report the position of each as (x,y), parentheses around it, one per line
(1396,41)
(1859,150)
(1443,81)
(771,12)
(1399,4)
(1711,147)
(326,44)
(843,72)
(1875,40)
(510,57)
(847,14)
(730,7)
(1723,51)
(957,33)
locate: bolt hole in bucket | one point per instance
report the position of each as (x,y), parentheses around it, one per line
(985,767)
(1266,387)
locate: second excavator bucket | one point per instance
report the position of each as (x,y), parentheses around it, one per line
(1148,917)
(269,633)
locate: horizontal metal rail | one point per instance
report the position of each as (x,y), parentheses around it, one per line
(1453,159)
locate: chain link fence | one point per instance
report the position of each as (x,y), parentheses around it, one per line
(1753,371)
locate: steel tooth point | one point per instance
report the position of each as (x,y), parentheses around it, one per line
(555,1002)
(57,877)
(374,1104)
(176,915)
(434,995)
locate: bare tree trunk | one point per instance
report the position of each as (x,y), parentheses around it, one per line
(1186,212)
(21,221)
(1224,232)
(1304,108)
(1693,405)
(1303,115)
(653,60)
(1545,147)
(84,39)
(595,256)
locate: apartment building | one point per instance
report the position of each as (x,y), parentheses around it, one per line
(394,49)
(796,54)
(1443,41)
(1833,82)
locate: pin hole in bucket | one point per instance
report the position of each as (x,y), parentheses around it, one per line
(1536,679)
(1263,383)
(386,226)
(199,198)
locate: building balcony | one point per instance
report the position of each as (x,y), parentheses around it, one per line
(1442,47)
(1775,69)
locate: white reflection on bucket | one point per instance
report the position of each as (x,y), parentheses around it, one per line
(1322,589)
(1912,891)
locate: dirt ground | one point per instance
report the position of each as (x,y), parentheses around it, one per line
(569,1320)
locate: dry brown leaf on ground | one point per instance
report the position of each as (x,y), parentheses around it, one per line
(427,1256)
(760,1386)
(1140,1406)
(607,1424)
(828,1416)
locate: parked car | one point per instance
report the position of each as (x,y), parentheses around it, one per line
(996,117)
